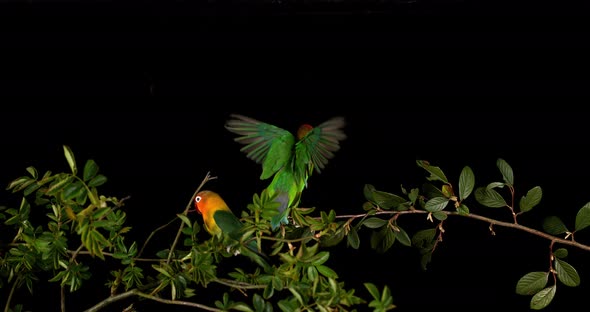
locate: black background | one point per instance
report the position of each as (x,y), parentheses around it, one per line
(453,82)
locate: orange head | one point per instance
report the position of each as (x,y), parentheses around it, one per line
(303,131)
(207,203)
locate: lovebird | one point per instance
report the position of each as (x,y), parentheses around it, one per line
(288,158)
(219,219)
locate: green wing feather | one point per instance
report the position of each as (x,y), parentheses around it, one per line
(264,143)
(228,223)
(291,162)
(316,148)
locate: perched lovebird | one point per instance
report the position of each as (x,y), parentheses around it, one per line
(218,219)
(289,159)
(213,208)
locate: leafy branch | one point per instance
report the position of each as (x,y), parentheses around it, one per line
(84,227)
(383,210)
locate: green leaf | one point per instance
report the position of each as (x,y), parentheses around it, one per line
(374,222)
(560,253)
(353,239)
(495,185)
(566,273)
(320,258)
(187,231)
(33,172)
(288,306)
(18,181)
(489,198)
(240,306)
(386,296)
(31,188)
(258,302)
(435,172)
(424,238)
(383,239)
(332,240)
(506,171)
(297,295)
(312,273)
(269,291)
(531,199)
(90,170)
(100,212)
(70,158)
(583,217)
(368,191)
(326,271)
(531,283)
(542,299)
(184,219)
(463,210)
(431,191)
(373,290)
(58,185)
(554,226)
(436,204)
(72,190)
(161,270)
(97,181)
(402,236)
(466,182)
(439,215)
(385,200)
(413,195)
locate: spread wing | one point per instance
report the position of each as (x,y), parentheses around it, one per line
(264,143)
(315,149)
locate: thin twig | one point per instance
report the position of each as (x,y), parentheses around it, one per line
(150,237)
(12,289)
(207,178)
(62,300)
(110,254)
(75,253)
(178,302)
(236,284)
(484,219)
(137,292)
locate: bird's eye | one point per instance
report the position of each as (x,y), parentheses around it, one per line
(198,199)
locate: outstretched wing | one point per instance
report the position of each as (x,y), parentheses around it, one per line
(264,143)
(315,149)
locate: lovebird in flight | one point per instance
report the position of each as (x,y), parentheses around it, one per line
(289,158)
(219,219)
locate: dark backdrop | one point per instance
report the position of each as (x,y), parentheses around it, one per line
(453,82)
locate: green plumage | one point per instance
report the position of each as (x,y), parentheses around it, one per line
(228,223)
(288,159)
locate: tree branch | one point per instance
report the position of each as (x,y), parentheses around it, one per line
(110,254)
(137,292)
(62,299)
(553,239)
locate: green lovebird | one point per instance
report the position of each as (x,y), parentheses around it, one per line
(289,159)
(219,219)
